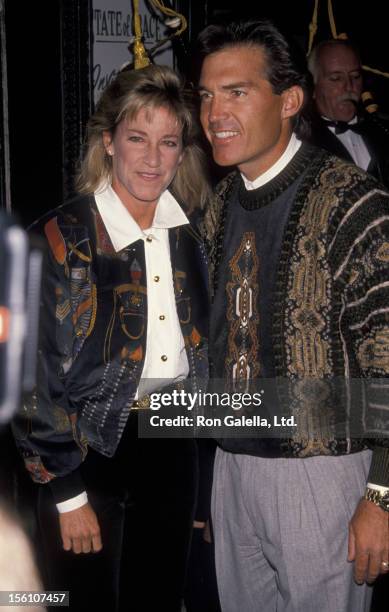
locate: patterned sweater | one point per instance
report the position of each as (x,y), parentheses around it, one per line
(329,304)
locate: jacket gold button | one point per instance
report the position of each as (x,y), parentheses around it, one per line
(161,317)
(164,358)
(149,239)
(156,278)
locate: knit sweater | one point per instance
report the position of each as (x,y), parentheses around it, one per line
(329,299)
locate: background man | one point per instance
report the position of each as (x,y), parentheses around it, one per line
(299,279)
(341,125)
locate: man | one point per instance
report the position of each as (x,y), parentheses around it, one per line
(299,280)
(341,126)
(124,314)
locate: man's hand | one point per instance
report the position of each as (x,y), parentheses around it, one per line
(80,530)
(368,544)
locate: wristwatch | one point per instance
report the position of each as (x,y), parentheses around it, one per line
(379,498)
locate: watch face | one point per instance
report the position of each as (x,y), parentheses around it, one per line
(384,502)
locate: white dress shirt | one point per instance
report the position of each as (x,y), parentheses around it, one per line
(165,359)
(292,148)
(354,145)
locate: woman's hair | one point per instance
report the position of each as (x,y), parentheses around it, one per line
(132,90)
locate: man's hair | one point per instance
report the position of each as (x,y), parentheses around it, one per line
(314,56)
(151,88)
(285,60)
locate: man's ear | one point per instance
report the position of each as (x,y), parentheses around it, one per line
(293,99)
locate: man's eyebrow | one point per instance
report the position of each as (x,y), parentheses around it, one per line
(229,86)
(359,70)
(238,84)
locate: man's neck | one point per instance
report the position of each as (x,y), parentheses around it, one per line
(257,166)
(261,179)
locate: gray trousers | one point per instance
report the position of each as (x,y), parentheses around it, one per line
(281,533)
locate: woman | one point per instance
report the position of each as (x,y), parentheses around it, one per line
(124,314)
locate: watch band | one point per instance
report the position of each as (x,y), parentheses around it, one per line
(379,498)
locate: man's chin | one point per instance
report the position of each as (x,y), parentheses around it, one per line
(347,113)
(224,160)
(345,118)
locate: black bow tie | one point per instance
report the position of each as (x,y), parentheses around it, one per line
(342,126)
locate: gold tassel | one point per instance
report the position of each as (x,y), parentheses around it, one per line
(141,59)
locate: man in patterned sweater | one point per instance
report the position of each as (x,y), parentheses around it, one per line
(299,248)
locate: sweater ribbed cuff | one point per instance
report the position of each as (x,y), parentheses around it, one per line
(66,487)
(379,469)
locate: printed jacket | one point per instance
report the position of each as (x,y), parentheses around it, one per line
(93,336)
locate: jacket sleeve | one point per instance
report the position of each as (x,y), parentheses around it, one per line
(45,427)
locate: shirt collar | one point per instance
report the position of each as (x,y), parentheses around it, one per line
(332,128)
(292,148)
(122,229)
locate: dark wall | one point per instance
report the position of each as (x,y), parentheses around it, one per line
(34,96)
(42,142)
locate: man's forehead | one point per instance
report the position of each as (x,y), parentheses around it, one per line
(234,64)
(340,58)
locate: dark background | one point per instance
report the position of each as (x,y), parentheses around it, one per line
(49,91)
(49,94)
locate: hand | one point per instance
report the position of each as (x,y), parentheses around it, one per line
(80,530)
(368,544)
(205,526)
(198,524)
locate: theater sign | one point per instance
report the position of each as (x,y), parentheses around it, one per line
(112,34)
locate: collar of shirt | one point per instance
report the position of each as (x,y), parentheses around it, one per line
(332,128)
(290,151)
(122,229)
(354,144)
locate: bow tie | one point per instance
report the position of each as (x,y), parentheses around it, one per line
(342,126)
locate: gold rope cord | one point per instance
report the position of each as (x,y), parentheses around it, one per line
(384,74)
(313,29)
(332,19)
(171,13)
(141,59)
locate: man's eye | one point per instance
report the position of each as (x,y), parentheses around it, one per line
(238,93)
(204,95)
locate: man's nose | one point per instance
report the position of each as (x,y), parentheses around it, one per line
(217,110)
(351,84)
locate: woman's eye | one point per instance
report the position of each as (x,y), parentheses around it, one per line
(135,139)
(170,143)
